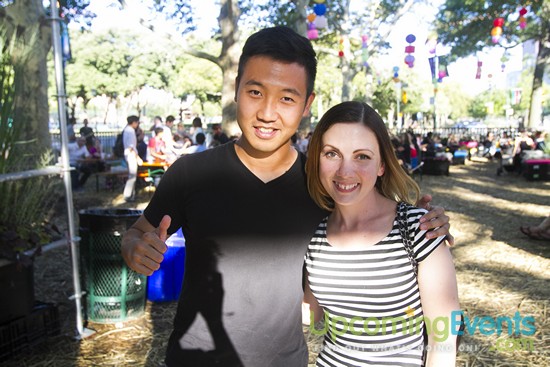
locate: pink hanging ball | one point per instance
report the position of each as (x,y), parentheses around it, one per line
(312,34)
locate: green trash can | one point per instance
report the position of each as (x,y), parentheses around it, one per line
(114,292)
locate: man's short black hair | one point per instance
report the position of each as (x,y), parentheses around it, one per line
(282,44)
(197,122)
(200,138)
(132,118)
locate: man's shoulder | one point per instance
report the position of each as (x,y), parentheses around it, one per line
(218,155)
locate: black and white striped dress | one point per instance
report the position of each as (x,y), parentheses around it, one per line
(373,314)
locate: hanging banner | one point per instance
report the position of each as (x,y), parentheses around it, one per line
(431,60)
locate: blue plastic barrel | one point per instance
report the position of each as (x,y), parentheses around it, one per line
(164,285)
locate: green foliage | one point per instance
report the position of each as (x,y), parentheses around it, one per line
(120,63)
(113,63)
(25,208)
(384,97)
(477,109)
(198,77)
(460,100)
(489,103)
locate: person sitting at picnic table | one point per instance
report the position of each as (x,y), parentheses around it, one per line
(77,153)
(157,146)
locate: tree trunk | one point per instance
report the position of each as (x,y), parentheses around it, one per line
(228,61)
(26,20)
(542,61)
(301,24)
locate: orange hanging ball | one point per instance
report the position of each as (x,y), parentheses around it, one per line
(496,31)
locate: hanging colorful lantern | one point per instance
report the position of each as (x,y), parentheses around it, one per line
(396,74)
(410,38)
(496,32)
(320,22)
(319,9)
(503,60)
(442,68)
(431,44)
(364,51)
(341,47)
(312,34)
(409,59)
(522,20)
(478,72)
(317,19)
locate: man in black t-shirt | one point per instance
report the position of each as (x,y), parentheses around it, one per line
(247,219)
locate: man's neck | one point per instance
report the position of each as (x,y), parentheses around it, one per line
(266,166)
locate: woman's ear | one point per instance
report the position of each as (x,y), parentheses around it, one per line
(381,169)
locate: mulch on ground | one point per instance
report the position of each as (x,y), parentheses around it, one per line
(500,272)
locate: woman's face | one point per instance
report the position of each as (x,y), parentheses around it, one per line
(350,163)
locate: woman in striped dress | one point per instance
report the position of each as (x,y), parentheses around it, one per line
(361,276)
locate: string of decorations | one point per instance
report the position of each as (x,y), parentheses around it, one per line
(522,20)
(316,20)
(409,50)
(496,32)
(364,50)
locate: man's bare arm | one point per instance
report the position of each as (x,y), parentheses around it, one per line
(435,221)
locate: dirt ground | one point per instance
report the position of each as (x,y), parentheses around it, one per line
(500,273)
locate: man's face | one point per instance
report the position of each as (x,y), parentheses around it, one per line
(271,100)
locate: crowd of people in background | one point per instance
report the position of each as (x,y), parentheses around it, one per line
(166,140)
(412,148)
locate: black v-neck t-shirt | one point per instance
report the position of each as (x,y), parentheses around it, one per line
(245,243)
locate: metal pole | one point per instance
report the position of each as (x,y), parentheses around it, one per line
(66,168)
(398,100)
(435,81)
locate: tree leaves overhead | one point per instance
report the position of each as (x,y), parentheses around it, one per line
(466,25)
(117,63)
(180,11)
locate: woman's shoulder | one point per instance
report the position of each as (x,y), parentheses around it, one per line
(412,210)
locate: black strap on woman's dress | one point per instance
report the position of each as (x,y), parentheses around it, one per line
(405,235)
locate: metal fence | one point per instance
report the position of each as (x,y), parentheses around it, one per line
(107,139)
(477,133)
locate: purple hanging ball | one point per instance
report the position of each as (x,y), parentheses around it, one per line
(409,59)
(410,38)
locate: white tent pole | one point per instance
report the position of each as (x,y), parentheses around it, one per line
(61,107)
